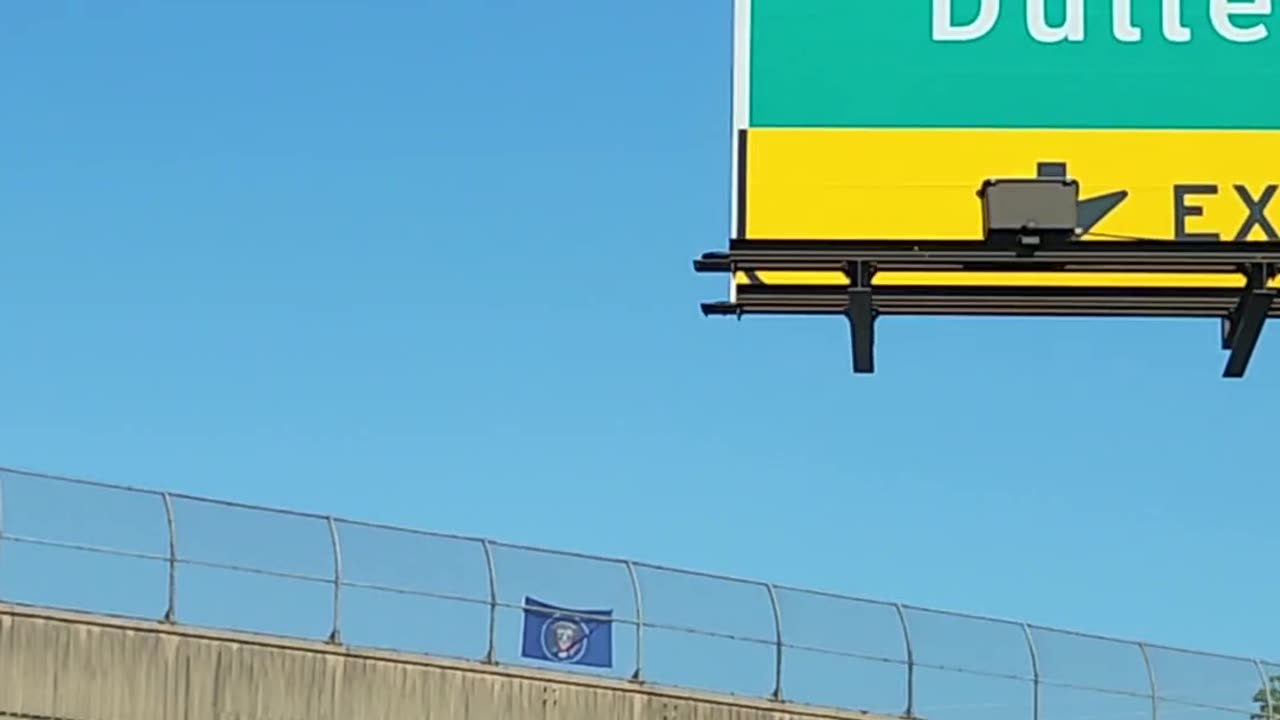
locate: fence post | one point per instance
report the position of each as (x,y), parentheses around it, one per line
(491,656)
(635,590)
(1268,708)
(171,608)
(911,660)
(1151,678)
(777,628)
(1035,672)
(335,635)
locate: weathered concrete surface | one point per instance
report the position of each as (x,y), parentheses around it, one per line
(68,666)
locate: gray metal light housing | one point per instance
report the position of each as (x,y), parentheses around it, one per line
(1030,211)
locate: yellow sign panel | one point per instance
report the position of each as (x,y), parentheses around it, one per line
(921,184)
(912,184)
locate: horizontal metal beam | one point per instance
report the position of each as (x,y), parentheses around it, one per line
(940,310)
(713,263)
(993,301)
(1140,256)
(1196,248)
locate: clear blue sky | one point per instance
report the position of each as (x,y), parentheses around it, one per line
(428,263)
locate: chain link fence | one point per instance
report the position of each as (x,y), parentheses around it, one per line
(82,545)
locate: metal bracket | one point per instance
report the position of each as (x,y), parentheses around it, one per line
(861,313)
(1242,327)
(713,262)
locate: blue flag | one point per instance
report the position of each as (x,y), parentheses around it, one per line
(568,637)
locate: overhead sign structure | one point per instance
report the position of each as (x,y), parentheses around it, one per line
(864,130)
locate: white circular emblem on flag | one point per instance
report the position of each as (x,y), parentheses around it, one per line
(564,638)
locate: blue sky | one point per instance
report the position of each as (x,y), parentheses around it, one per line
(428,263)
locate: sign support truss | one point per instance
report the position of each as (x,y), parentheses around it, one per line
(861,313)
(1242,327)
(1030,225)
(1241,311)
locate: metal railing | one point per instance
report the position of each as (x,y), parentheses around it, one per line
(85,545)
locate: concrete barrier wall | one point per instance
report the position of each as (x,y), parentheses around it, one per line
(68,666)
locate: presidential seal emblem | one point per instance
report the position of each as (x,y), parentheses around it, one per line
(564,638)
